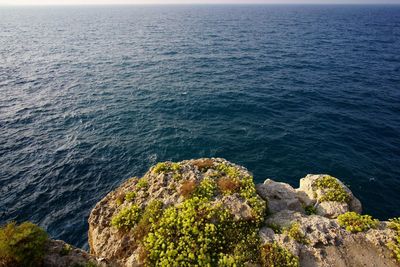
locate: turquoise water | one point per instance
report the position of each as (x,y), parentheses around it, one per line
(90,96)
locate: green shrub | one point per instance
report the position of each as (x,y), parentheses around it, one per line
(198,232)
(395,246)
(248,192)
(310,210)
(394,224)
(229,171)
(142,183)
(206,189)
(127,217)
(354,222)
(66,249)
(295,232)
(130,196)
(226,261)
(22,245)
(164,167)
(333,190)
(151,214)
(273,255)
(177,177)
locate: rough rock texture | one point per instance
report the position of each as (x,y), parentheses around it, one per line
(280,196)
(309,195)
(324,242)
(327,244)
(60,254)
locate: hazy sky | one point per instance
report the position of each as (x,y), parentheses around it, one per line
(88,2)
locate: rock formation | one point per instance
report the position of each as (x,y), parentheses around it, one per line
(302,221)
(209,212)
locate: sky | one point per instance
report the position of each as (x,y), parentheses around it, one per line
(141,2)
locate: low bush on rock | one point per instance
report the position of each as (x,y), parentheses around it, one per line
(127,217)
(130,196)
(354,222)
(142,184)
(22,245)
(200,230)
(332,189)
(150,215)
(272,255)
(164,167)
(295,232)
(395,246)
(310,210)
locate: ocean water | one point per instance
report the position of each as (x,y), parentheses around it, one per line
(90,96)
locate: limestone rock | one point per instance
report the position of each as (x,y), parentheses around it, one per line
(280,196)
(237,206)
(60,254)
(328,244)
(324,243)
(310,195)
(332,209)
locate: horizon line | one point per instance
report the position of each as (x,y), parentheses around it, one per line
(196,4)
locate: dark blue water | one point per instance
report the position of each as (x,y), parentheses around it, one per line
(90,96)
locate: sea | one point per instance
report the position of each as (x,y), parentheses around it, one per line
(93,95)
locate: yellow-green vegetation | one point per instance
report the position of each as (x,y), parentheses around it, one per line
(66,249)
(354,222)
(230,171)
(164,167)
(273,255)
(395,246)
(197,232)
(127,217)
(130,196)
(206,189)
(150,215)
(310,210)
(294,231)
(333,190)
(22,245)
(177,176)
(200,231)
(142,183)
(248,191)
